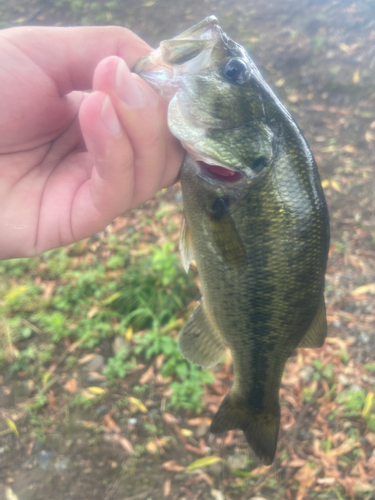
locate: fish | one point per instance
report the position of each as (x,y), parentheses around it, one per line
(255,222)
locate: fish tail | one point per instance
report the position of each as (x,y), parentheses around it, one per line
(261,428)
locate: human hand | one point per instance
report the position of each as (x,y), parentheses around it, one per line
(71,161)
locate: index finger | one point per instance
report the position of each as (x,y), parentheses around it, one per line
(70,55)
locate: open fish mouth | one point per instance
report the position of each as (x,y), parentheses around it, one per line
(219,174)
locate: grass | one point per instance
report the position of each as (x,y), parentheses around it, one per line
(94,291)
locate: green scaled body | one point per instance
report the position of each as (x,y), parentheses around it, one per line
(256,223)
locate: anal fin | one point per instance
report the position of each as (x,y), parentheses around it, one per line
(199,341)
(317,332)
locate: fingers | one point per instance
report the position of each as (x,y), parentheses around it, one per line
(110,173)
(143,115)
(132,152)
(70,55)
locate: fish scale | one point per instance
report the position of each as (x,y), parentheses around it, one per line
(260,241)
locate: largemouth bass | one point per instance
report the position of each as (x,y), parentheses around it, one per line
(256,223)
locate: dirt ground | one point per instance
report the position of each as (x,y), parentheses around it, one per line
(319,57)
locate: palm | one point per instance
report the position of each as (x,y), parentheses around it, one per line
(63,177)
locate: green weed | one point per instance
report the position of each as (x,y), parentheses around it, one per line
(119,365)
(189,379)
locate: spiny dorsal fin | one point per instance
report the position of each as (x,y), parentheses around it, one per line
(186,247)
(317,332)
(199,340)
(225,235)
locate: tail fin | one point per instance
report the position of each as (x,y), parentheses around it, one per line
(261,428)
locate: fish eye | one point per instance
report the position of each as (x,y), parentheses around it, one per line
(259,164)
(236,70)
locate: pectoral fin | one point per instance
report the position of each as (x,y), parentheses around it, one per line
(225,235)
(317,332)
(199,341)
(186,246)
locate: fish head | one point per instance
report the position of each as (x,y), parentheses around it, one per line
(216,102)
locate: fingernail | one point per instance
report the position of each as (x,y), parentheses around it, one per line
(109,118)
(127,88)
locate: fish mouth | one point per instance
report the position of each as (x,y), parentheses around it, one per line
(219,174)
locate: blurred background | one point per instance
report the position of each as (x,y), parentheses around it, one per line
(95,399)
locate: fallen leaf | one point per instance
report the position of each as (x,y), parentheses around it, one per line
(186,432)
(203,462)
(293,98)
(263,469)
(280,82)
(306,476)
(89,425)
(152,447)
(159,361)
(72,347)
(138,404)
(51,399)
(335,185)
(147,376)
(167,488)
(157,444)
(12,426)
(46,376)
(125,443)
(97,376)
(194,449)
(345,447)
(71,385)
(371,438)
(170,419)
(48,287)
(97,391)
(326,480)
(129,334)
(15,292)
(298,462)
(370,288)
(111,424)
(87,394)
(217,494)
(369,136)
(92,312)
(345,48)
(172,466)
(86,358)
(356,76)
(9,494)
(368,404)
(111,298)
(200,420)
(348,148)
